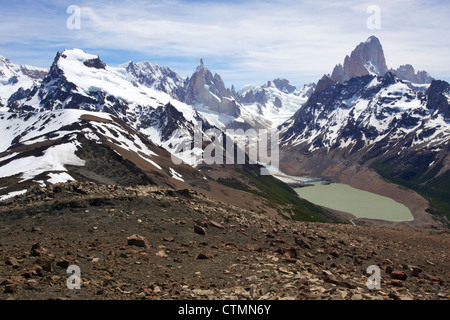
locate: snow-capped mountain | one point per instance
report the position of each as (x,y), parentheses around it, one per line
(365,111)
(62,145)
(275,101)
(158,78)
(147,97)
(17,80)
(78,80)
(252,107)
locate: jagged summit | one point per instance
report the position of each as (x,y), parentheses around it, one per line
(17,80)
(367,58)
(208,91)
(201,65)
(407,72)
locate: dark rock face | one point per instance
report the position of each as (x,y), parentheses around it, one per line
(438,94)
(95,63)
(166,119)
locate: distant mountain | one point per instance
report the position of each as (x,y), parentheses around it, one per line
(158,78)
(275,101)
(368,59)
(223,107)
(17,80)
(407,72)
(209,91)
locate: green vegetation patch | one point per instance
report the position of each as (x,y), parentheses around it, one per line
(276,192)
(436,191)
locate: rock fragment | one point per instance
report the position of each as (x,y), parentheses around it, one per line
(399,275)
(205,254)
(138,241)
(199,229)
(11,261)
(302,242)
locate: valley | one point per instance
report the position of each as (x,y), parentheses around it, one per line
(125,171)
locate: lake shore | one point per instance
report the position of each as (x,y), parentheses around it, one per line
(361,204)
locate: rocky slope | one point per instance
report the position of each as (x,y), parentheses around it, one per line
(58,146)
(157,243)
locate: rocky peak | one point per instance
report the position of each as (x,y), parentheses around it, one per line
(201,66)
(209,91)
(407,72)
(367,59)
(324,84)
(439,97)
(339,75)
(159,78)
(284,85)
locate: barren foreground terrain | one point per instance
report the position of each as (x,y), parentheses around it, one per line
(152,243)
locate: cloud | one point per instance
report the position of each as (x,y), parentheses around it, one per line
(245,41)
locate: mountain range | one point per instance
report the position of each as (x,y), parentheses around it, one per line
(364,123)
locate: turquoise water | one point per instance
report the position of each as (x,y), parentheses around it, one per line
(361,204)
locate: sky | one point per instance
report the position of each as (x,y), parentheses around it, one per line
(245,42)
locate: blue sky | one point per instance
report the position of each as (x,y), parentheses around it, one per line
(246,42)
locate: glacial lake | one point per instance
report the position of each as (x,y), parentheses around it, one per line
(361,204)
